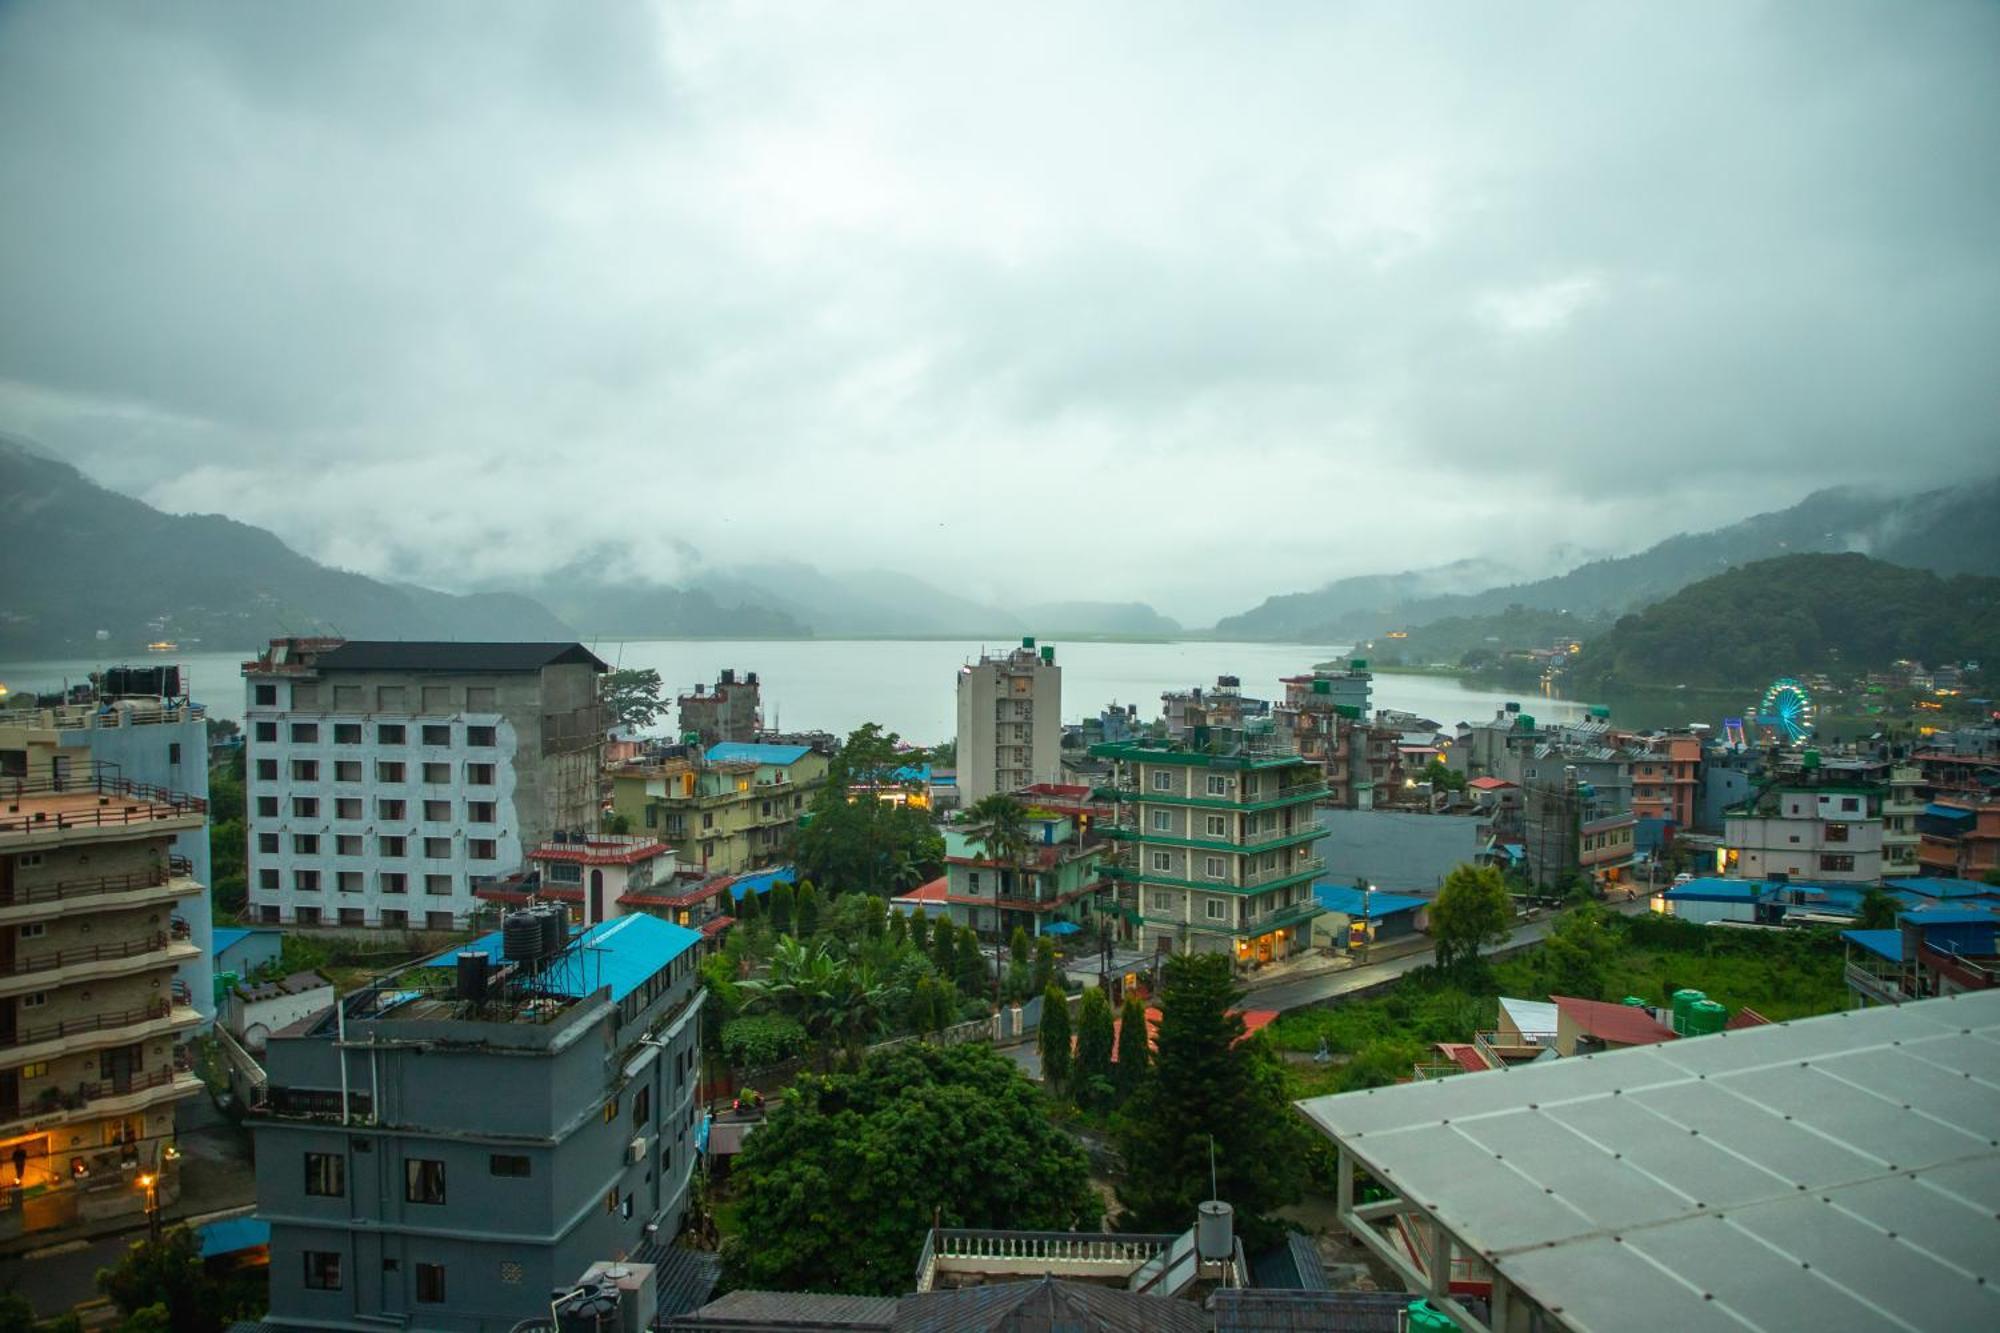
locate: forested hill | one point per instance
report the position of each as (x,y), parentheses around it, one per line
(1841,614)
(83,559)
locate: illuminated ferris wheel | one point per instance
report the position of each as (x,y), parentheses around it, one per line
(1785,713)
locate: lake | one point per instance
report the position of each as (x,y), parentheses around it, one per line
(907,684)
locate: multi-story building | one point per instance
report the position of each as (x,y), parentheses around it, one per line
(732,710)
(1901,806)
(1959,836)
(1009,721)
(138,721)
(1202,710)
(383,778)
(92,1011)
(591,874)
(1665,772)
(1822,833)
(1059,878)
(1221,853)
(444,1148)
(1325,717)
(727,808)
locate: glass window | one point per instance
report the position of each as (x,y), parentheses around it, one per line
(305,733)
(423,1180)
(267,731)
(388,772)
(1163,821)
(392,809)
(326,1175)
(267,843)
(1218,785)
(509,1164)
(347,770)
(437,886)
(437,733)
(479,775)
(1162,861)
(482,849)
(347,881)
(267,770)
(306,881)
(1218,826)
(323,1270)
(430,1283)
(347,807)
(267,695)
(347,733)
(485,737)
(437,775)
(305,770)
(305,807)
(395,881)
(437,849)
(1214,867)
(393,847)
(481,812)
(437,812)
(391,733)
(305,844)
(1162,780)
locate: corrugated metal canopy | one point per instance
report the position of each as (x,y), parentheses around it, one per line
(1836,1172)
(622,953)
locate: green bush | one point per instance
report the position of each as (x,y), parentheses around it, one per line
(761,1039)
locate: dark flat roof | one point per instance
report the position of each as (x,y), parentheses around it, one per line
(448,655)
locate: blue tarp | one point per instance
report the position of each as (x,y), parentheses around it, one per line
(623,954)
(762,881)
(1348,900)
(1882,943)
(756,753)
(1936,811)
(1061,928)
(232,1235)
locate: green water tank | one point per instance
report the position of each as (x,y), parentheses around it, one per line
(1810,759)
(1600,710)
(1322,686)
(1525,722)
(1358,664)
(1027,640)
(1684,1000)
(1704,1017)
(1423,1319)
(1048,652)
(1634,1001)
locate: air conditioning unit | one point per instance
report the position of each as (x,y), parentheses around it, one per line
(635,1151)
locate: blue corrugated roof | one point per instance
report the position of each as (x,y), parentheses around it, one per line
(1883,943)
(1715,889)
(1952,916)
(1347,899)
(1936,811)
(757,752)
(227,937)
(763,881)
(1941,888)
(232,1234)
(622,953)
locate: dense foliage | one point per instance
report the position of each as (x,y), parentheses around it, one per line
(1472,911)
(1208,1087)
(632,697)
(866,845)
(163,1285)
(1841,614)
(228,834)
(837,1191)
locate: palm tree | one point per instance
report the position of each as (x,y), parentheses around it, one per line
(1001,830)
(837,1003)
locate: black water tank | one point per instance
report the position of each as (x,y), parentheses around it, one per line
(474,967)
(521,937)
(588,1310)
(555,929)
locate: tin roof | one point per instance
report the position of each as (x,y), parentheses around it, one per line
(450,655)
(755,752)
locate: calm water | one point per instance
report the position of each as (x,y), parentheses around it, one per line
(907,685)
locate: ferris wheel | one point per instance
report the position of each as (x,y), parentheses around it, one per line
(1785,713)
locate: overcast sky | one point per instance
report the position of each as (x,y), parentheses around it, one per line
(1187,305)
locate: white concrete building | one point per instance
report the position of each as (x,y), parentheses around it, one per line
(383,779)
(1009,721)
(1830,835)
(259,1008)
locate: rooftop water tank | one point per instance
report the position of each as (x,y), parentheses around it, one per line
(1214,1231)
(1684,1000)
(1421,1318)
(1704,1017)
(521,937)
(555,930)
(474,967)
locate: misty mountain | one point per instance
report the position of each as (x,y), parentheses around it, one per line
(82,559)
(603,607)
(1949,531)
(1118,618)
(864,602)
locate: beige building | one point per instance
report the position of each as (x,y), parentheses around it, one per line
(92,1016)
(1009,721)
(724,810)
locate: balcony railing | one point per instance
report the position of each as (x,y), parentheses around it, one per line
(95,953)
(136,803)
(88,886)
(76,1027)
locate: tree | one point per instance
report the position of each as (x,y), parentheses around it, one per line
(899,930)
(168,1273)
(17,1315)
(1578,953)
(1443,777)
(1879,910)
(1134,1049)
(969,968)
(1000,828)
(1020,948)
(632,697)
(750,906)
(1090,1078)
(780,903)
(805,907)
(1046,973)
(1052,1040)
(1208,1084)
(836,1003)
(1472,911)
(944,950)
(920,928)
(864,844)
(837,1190)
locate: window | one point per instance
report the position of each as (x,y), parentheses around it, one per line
(479,775)
(267,770)
(267,843)
(395,918)
(1218,826)
(306,881)
(347,881)
(267,732)
(397,810)
(485,737)
(479,698)
(482,849)
(391,733)
(306,916)
(392,847)
(423,1180)
(611,1110)
(305,733)
(436,733)
(430,1283)
(1163,821)
(1836,861)
(322,1270)
(1162,780)
(1836,833)
(39,1069)
(1163,861)
(267,807)
(437,775)
(1217,909)
(1164,902)
(439,921)
(708,820)
(1218,785)
(611,1201)
(388,772)
(326,1175)
(1850,805)
(267,879)
(508,1164)
(347,770)
(34,999)
(652,816)
(266,695)
(305,770)
(437,886)
(268,913)
(347,733)
(305,807)
(437,812)
(437,849)
(563,872)
(480,812)
(1214,867)
(395,881)
(348,698)
(642,1106)
(305,695)
(347,807)
(305,844)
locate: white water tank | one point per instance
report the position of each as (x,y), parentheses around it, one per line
(1215,1231)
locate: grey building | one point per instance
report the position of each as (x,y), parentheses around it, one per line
(1009,721)
(442,1150)
(1401,850)
(383,778)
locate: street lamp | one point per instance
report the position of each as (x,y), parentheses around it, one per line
(150,1183)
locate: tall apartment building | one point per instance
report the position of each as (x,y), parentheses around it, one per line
(733,710)
(446,1147)
(384,778)
(93,934)
(1827,834)
(1325,717)
(729,808)
(137,720)
(1666,770)
(1009,721)
(1221,845)
(1901,808)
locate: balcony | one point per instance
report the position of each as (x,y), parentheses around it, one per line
(29,1042)
(59,967)
(94,799)
(99,893)
(1104,1257)
(99,1098)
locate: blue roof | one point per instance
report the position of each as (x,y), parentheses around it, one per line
(757,753)
(1940,888)
(1952,916)
(762,881)
(622,953)
(1883,943)
(227,937)
(1715,889)
(1936,811)
(1061,928)
(912,773)
(1347,899)
(231,1235)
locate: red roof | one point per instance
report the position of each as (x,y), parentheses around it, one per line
(1488,784)
(1465,1055)
(1745,1018)
(932,892)
(1254,1020)
(1626,1024)
(715,926)
(612,850)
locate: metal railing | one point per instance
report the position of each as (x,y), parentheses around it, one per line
(142,801)
(95,953)
(141,714)
(76,1027)
(86,886)
(1494,1045)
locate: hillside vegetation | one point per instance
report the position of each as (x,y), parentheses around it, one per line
(1839,614)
